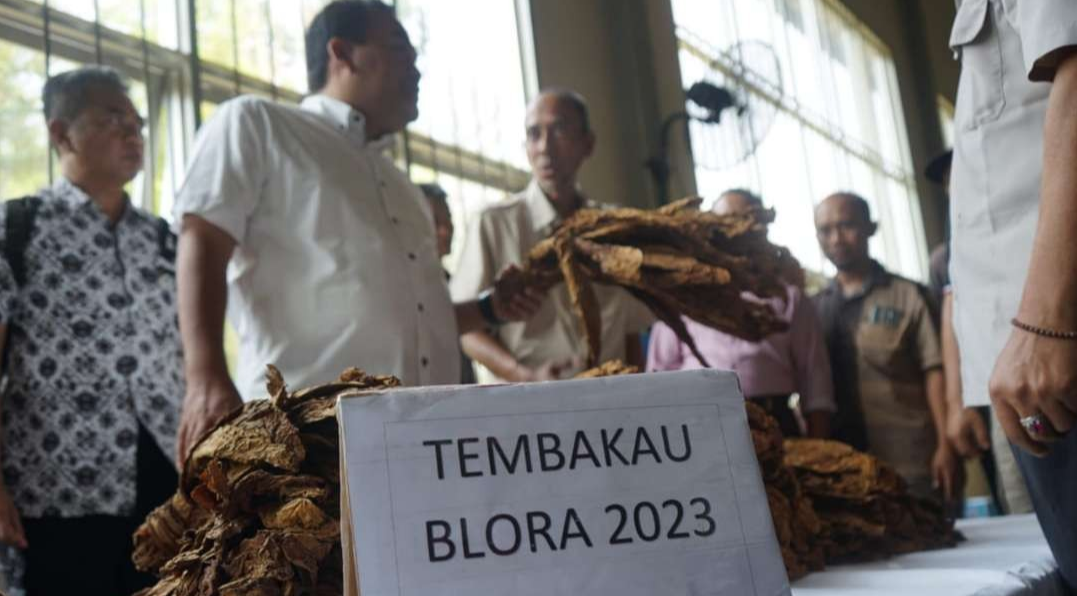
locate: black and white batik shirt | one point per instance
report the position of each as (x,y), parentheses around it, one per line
(94,351)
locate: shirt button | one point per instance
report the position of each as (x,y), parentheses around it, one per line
(420,307)
(424,361)
(394,219)
(411,256)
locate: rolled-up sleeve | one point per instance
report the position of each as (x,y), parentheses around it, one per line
(1048,29)
(225,178)
(811,363)
(927,338)
(664,350)
(476,269)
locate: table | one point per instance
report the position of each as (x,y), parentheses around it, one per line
(1003,556)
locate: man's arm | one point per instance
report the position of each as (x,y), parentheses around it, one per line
(202,260)
(965,429)
(945,465)
(488,351)
(1033,374)
(11,531)
(811,367)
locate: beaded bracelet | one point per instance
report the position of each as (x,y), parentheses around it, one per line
(1070,335)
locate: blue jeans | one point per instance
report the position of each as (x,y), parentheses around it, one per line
(1052,484)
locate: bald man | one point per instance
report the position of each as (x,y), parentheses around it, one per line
(884,353)
(550,345)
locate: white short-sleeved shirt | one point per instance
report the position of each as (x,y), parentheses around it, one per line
(335,263)
(503,235)
(1005,47)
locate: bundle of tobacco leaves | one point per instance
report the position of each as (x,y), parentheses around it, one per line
(866,508)
(797,527)
(833,504)
(258,509)
(676,260)
(609,368)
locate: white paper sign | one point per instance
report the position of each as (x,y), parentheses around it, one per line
(633,485)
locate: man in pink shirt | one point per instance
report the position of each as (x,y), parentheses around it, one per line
(770,371)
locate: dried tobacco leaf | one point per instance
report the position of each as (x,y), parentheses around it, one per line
(259,506)
(677,260)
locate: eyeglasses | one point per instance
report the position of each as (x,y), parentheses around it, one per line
(124,123)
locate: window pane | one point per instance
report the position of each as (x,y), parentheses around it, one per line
(472,91)
(23,143)
(837,118)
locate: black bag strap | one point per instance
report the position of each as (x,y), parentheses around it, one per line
(18,228)
(166,241)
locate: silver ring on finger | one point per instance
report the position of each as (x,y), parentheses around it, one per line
(1038,427)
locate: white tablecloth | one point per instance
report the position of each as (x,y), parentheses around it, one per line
(1003,556)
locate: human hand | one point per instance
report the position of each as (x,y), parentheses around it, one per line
(946,471)
(549,371)
(512,300)
(11,531)
(966,432)
(206,402)
(1035,375)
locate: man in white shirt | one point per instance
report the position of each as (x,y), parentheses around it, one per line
(549,345)
(1014,220)
(324,244)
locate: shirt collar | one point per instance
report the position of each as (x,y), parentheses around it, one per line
(544,217)
(878,276)
(76,199)
(348,120)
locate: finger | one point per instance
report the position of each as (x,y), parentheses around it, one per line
(979,430)
(947,485)
(1061,418)
(1011,425)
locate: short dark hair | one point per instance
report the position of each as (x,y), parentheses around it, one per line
(575,100)
(754,199)
(433,191)
(66,94)
(346,19)
(860,204)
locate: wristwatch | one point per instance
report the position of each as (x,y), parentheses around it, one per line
(486,308)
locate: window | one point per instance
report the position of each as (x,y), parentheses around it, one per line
(472,100)
(827,87)
(472,103)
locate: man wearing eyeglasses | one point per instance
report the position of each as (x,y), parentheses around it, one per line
(550,345)
(319,245)
(93,360)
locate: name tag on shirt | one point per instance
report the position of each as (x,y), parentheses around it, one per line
(885,315)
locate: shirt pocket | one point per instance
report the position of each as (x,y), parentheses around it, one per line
(879,342)
(975,40)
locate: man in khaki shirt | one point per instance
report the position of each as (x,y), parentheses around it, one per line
(550,345)
(884,353)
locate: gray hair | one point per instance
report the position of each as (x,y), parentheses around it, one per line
(66,94)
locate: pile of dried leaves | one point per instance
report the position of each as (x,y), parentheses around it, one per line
(833,504)
(796,525)
(866,507)
(258,510)
(676,260)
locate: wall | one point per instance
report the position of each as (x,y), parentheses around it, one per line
(621,54)
(612,52)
